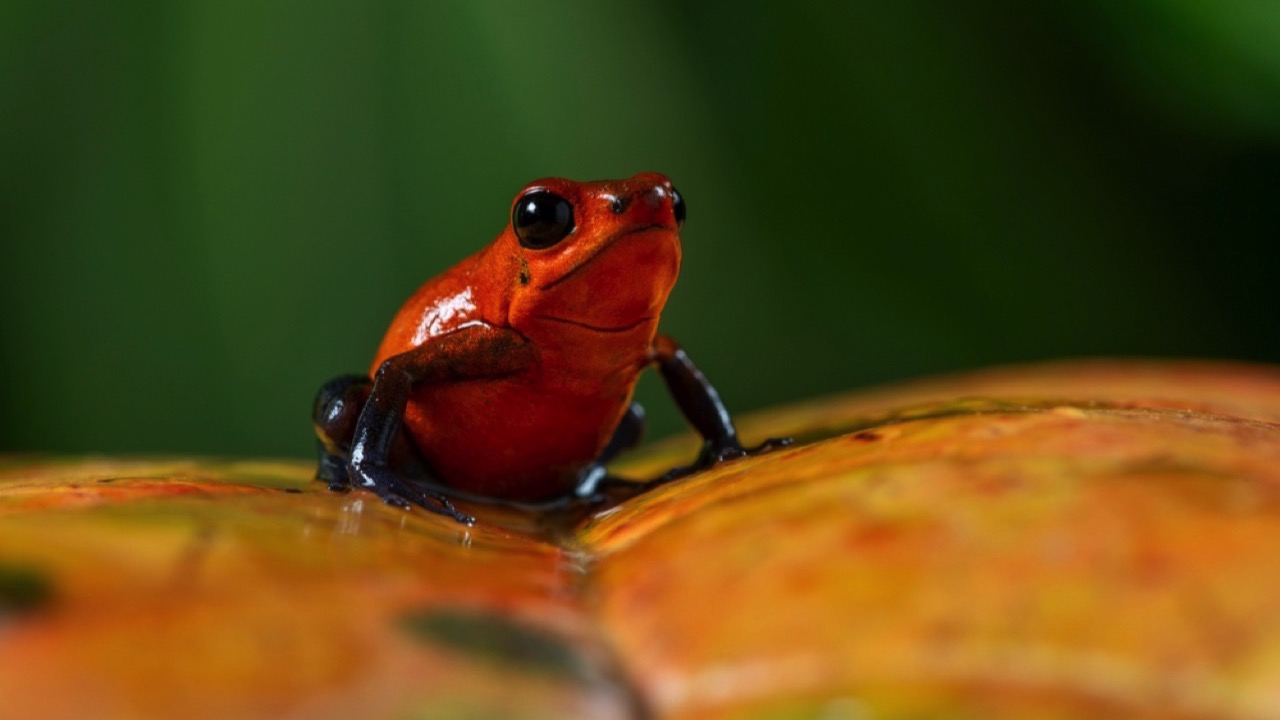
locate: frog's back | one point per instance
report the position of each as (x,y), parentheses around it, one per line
(443,304)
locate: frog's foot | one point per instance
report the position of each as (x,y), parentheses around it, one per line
(770,445)
(402,494)
(715,453)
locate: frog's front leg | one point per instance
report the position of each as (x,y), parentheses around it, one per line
(472,352)
(701,405)
(335,412)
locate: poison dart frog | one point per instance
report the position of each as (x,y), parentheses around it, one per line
(510,376)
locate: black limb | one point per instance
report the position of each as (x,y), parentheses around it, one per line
(480,351)
(628,434)
(334,415)
(375,433)
(701,405)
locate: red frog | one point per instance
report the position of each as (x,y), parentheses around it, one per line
(510,376)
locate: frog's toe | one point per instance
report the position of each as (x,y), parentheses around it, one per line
(396,501)
(399,493)
(771,444)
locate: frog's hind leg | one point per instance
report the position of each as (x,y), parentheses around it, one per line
(628,434)
(334,415)
(337,409)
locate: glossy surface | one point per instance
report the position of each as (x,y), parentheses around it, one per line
(1077,540)
(589,303)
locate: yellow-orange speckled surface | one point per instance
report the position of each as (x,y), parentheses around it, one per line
(1073,540)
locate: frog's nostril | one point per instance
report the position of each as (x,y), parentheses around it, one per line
(650,199)
(664,198)
(655,196)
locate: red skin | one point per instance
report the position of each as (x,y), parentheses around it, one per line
(589,308)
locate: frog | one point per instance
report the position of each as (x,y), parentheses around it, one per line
(511,375)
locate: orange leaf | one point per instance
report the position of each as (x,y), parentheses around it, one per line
(1069,540)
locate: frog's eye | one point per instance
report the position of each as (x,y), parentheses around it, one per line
(541,219)
(677,206)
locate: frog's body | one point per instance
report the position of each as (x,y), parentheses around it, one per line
(511,372)
(527,434)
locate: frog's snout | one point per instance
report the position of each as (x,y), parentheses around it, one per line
(652,200)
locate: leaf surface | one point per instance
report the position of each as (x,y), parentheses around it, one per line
(1069,540)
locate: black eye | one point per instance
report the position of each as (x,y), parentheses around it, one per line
(542,219)
(677,206)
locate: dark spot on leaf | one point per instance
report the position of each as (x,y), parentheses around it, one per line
(866,436)
(23,589)
(293,491)
(498,639)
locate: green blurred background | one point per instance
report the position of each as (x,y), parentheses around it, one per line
(209,208)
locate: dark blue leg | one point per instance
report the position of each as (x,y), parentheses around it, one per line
(628,434)
(701,406)
(334,415)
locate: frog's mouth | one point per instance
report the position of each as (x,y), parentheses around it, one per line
(596,328)
(578,266)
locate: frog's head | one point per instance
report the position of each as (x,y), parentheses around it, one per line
(599,255)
